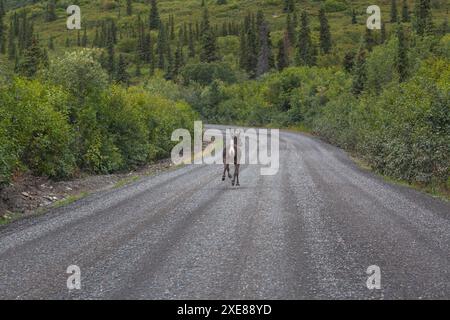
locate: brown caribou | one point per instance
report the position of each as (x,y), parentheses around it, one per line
(232,154)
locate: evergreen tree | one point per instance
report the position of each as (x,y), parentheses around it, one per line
(383,36)
(129,7)
(251,46)
(360,72)
(349,61)
(394,12)
(179,60)
(2,8)
(283,53)
(122,75)
(306,51)
(290,28)
(263,65)
(44,59)
(147,48)
(369,39)
(78,39)
(2,36)
(84,40)
(444,27)
(208,41)
(243,51)
(423,23)
(51,11)
(405,11)
(12,50)
(170,64)
(325,35)
(191,44)
(32,59)
(110,60)
(402,55)
(289,6)
(151,56)
(154,20)
(172,27)
(161,47)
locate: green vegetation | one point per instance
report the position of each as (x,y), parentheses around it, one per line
(69,200)
(106,98)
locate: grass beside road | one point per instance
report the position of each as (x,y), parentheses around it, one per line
(69,200)
(440,192)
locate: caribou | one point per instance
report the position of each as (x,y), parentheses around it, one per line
(232,155)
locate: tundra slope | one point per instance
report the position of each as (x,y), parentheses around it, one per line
(309,232)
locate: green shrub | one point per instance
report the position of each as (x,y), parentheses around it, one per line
(35,123)
(206,73)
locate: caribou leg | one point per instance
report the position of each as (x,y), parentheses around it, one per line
(236,176)
(226,168)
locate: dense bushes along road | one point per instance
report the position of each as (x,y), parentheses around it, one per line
(71,119)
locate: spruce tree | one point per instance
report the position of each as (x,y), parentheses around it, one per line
(147,48)
(170,64)
(179,60)
(360,72)
(78,39)
(2,8)
(349,61)
(290,28)
(84,39)
(251,46)
(263,65)
(122,75)
(383,35)
(208,41)
(172,27)
(2,36)
(369,39)
(405,11)
(12,49)
(191,44)
(394,12)
(51,11)
(154,20)
(110,60)
(32,59)
(283,53)
(161,47)
(243,50)
(325,35)
(444,27)
(402,55)
(289,6)
(306,51)
(129,7)
(423,23)
(151,56)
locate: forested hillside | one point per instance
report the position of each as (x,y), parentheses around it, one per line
(107,97)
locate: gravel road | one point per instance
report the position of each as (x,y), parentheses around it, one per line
(309,232)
